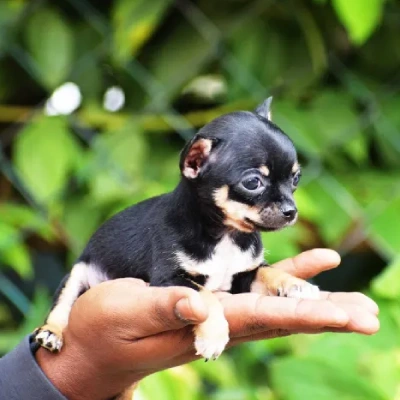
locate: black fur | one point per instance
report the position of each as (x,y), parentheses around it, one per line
(142,240)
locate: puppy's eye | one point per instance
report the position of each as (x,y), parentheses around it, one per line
(296,179)
(253,183)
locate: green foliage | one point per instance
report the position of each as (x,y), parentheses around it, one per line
(359,20)
(47,34)
(332,67)
(45,152)
(134,23)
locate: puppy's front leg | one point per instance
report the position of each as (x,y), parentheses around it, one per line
(275,282)
(50,335)
(212,335)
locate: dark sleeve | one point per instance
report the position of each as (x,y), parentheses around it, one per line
(22,378)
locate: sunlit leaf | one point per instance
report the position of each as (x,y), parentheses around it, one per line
(45,153)
(49,39)
(25,218)
(387,284)
(383,230)
(177,383)
(359,17)
(134,22)
(302,378)
(384,368)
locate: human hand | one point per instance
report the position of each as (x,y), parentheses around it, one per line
(123,330)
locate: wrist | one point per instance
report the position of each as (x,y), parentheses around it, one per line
(78,377)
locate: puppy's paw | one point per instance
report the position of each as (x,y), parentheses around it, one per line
(49,337)
(210,340)
(298,289)
(210,347)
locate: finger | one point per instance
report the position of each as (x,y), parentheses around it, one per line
(251,313)
(360,320)
(310,263)
(146,311)
(222,295)
(352,298)
(276,333)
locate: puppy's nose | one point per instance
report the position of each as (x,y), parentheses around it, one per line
(289,211)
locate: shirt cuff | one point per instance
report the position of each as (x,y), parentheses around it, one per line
(22,378)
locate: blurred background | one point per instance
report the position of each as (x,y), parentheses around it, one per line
(98,98)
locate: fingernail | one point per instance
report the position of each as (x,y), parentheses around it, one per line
(191,309)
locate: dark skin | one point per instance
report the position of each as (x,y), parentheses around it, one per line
(122,330)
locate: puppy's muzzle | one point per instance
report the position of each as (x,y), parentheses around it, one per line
(289,212)
(276,217)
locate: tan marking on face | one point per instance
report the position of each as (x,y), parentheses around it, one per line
(296,167)
(264,170)
(235,212)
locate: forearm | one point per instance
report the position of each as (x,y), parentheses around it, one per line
(78,376)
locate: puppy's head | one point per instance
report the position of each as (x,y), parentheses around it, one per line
(245,166)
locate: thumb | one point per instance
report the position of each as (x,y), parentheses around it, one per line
(165,309)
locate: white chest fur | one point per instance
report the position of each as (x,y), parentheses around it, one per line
(226,261)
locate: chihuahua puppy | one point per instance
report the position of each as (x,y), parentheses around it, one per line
(238,175)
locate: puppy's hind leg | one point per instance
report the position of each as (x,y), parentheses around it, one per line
(275,282)
(49,335)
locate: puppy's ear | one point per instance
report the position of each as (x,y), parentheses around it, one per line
(264,109)
(195,156)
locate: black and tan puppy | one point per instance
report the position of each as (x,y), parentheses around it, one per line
(238,177)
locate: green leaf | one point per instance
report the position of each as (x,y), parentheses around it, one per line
(283,244)
(296,378)
(50,39)
(134,22)
(384,231)
(13,252)
(24,218)
(384,368)
(221,373)
(360,17)
(387,284)
(9,11)
(185,43)
(115,169)
(254,46)
(387,136)
(87,72)
(38,309)
(176,383)
(333,200)
(40,306)
(80,219)
(45,153)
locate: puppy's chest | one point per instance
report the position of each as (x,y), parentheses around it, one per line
(227,260)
